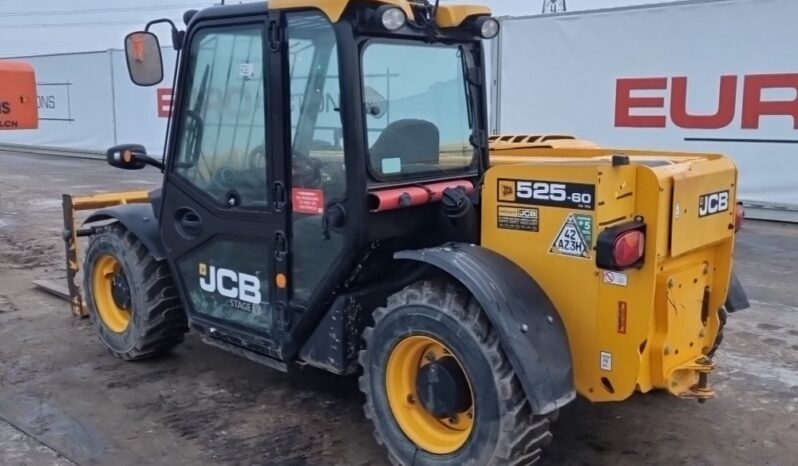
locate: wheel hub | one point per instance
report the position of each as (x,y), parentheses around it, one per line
(120,290)
(430,395)
(442,388)
(111,291)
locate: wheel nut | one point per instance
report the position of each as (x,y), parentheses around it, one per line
(411,399)
(453,420)
(429,357)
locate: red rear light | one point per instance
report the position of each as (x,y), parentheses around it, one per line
(629,248)
(621,247)
(739,216)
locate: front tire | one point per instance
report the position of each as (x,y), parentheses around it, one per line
(477,416)
(131,297)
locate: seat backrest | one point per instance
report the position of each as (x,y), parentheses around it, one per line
(411,141)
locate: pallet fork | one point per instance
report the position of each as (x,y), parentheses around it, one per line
(72,232)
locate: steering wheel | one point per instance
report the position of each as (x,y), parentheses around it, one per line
(306,171)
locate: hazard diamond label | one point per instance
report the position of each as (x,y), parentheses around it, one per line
(575,237)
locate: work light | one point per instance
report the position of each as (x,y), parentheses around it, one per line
(391,17)
(487,27)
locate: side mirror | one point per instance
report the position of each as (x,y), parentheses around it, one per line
(376,105)
(130,157)
(144,62)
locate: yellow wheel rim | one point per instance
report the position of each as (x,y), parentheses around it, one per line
(115,317)
(437,436)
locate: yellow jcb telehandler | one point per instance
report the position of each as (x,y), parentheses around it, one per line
(331,198)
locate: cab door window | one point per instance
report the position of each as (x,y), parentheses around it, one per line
(222,129)
(318,171)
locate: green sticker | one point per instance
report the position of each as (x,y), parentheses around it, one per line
(585,224)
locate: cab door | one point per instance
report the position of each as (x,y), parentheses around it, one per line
(223,211)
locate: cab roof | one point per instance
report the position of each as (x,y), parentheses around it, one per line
(447,16)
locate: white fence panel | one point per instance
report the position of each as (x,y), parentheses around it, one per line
(74,103)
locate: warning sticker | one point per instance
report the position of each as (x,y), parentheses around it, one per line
(605,361)
(518,218)
(308,201)
(615,278)
(575,238)
(247,70)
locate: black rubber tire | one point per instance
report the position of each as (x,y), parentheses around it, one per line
(723,316)
(158,322)
(505,430)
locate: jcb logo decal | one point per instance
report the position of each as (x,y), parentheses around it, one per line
(714,203)
(507,190)
(230,284)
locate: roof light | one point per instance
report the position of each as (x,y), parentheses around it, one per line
(487,27)
(391,17)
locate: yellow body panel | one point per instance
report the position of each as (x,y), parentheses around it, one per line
(453,15)
(643,328)
(334,9)
(447,16)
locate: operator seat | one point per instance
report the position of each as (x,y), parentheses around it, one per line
(417,143)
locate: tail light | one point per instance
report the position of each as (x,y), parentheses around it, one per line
(621,247)
(739,216)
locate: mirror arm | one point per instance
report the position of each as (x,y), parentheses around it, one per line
(177,35)
(151,161)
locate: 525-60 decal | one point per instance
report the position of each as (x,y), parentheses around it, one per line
(548,193)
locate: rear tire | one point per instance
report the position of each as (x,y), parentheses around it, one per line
(504,429)
(143,316)
(723,317)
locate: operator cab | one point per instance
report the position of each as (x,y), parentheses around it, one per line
(308,144)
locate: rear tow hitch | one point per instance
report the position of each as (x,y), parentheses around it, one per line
(702,390)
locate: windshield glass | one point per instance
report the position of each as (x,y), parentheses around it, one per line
(417,112)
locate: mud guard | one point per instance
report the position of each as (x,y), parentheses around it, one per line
(531,331)
(736,300)
(140,220)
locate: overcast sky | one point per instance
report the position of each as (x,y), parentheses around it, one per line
(35,27)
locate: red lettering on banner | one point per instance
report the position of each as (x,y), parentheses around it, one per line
(754,108)
(727,103)
(308,201)
(625,102)
(164,101)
